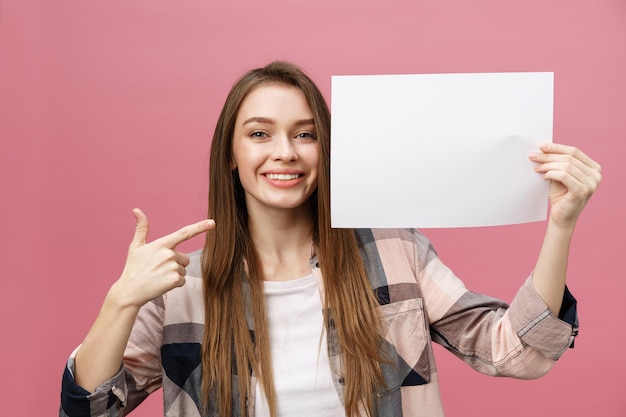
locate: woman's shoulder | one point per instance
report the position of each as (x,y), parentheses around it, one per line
(409,244)
(189,296)
(194,269)
(407,236)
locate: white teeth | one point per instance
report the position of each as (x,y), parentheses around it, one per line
(282,177)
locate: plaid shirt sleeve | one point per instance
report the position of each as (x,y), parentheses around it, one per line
(422,300)
(521,340)
(139,375)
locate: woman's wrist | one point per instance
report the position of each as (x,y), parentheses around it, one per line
(118,299)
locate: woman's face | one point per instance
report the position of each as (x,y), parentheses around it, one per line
(275,148)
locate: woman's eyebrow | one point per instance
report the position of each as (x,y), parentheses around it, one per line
(304,122)
(266,120)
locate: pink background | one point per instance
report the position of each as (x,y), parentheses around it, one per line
(110,105)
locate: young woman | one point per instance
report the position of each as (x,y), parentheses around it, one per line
(280,315)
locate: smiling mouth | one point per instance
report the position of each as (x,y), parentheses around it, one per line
(283,177)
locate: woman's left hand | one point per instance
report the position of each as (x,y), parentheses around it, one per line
(574,178)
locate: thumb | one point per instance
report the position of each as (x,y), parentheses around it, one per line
(141,229)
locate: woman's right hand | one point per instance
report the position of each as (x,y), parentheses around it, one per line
(154,268)
(151,270)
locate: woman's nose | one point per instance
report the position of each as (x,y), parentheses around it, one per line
(283,149)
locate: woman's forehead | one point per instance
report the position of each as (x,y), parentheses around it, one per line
(274,101)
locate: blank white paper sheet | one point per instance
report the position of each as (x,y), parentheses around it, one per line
(439,150)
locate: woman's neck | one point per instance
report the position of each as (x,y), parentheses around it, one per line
(283,242)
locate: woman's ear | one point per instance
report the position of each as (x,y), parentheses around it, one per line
(233,162)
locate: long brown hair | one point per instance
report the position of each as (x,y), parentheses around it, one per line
(230,263)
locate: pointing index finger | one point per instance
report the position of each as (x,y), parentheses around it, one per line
(185,233)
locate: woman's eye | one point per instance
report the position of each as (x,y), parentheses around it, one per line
(258,134)
(306,135)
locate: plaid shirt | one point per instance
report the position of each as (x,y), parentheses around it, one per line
(420,300)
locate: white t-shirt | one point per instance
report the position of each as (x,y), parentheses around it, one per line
(302,376)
